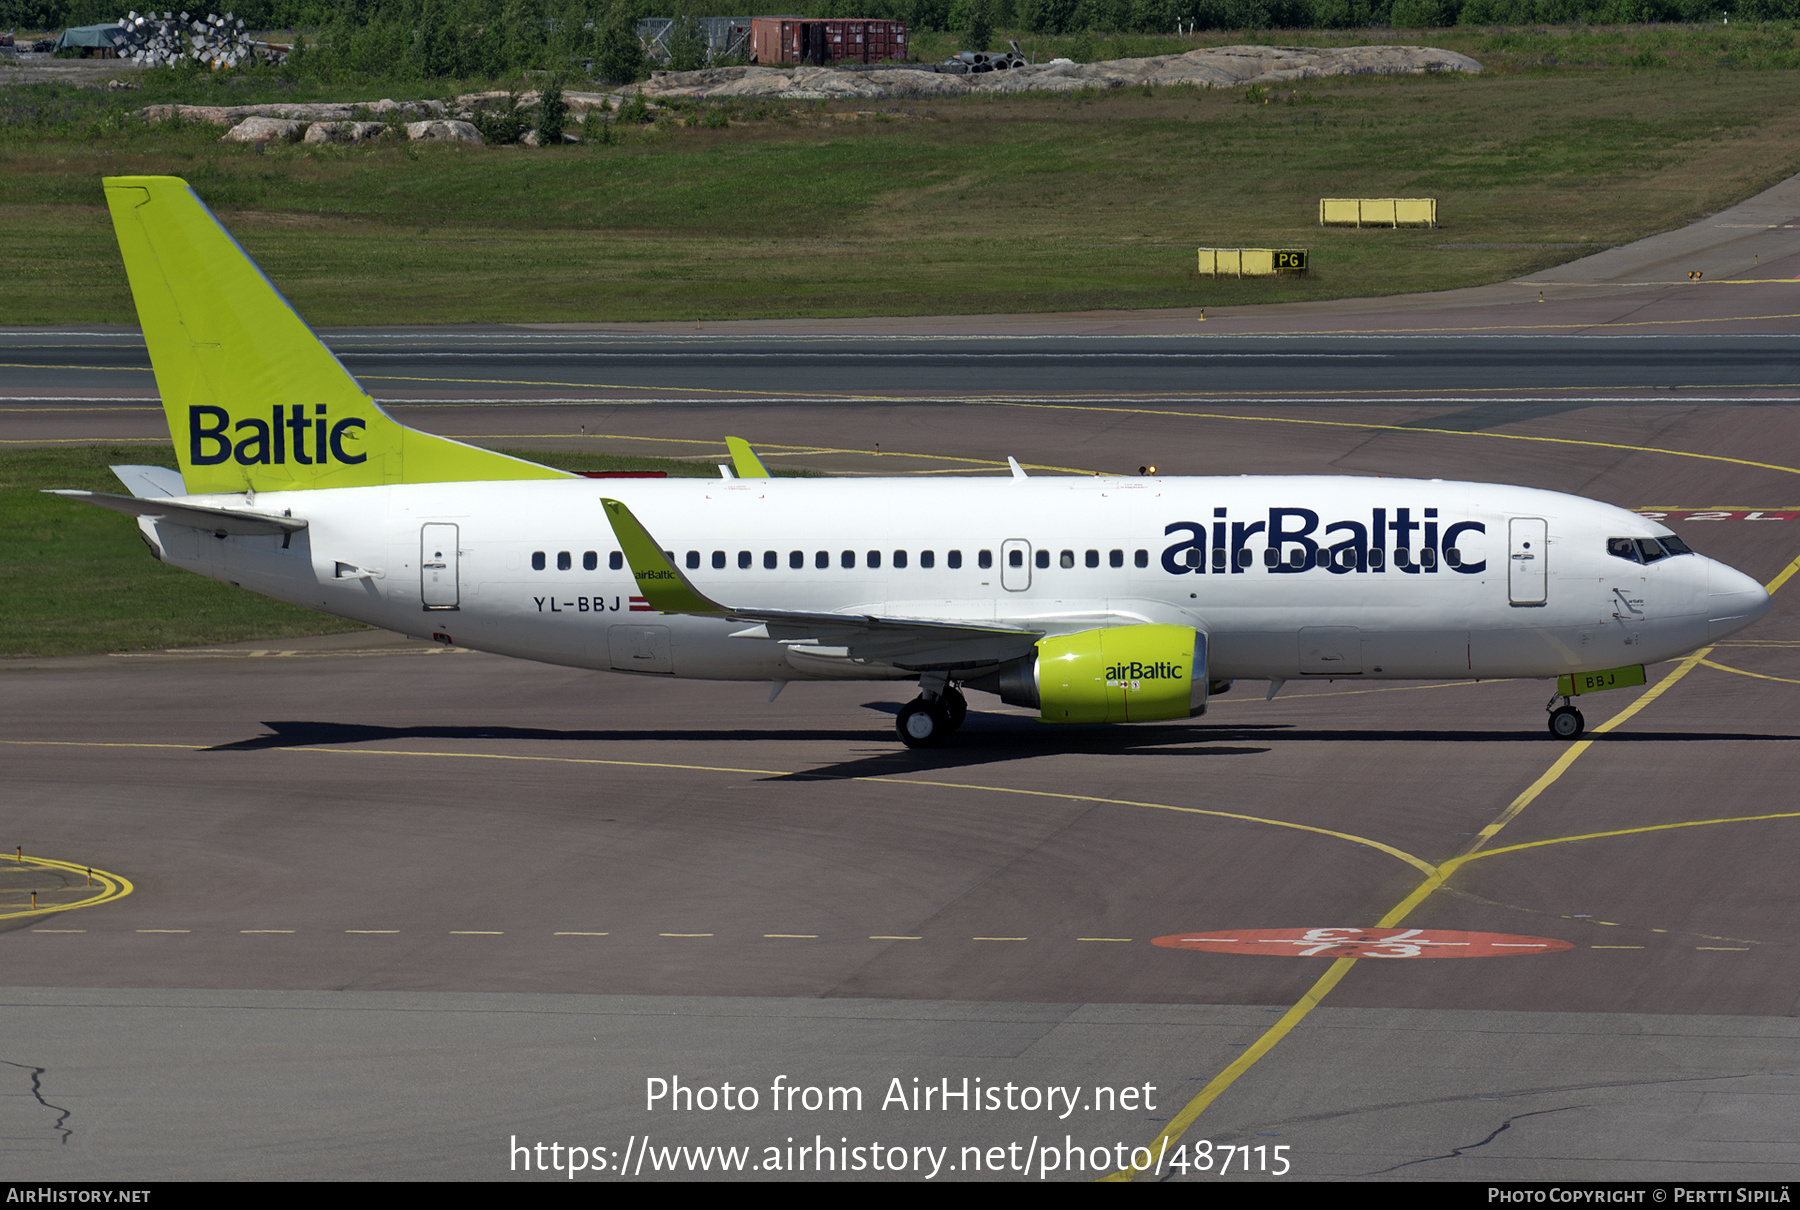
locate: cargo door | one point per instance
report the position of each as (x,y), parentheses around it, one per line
(1527,568)
(438,566)
(640,648)
(1330,651)
(1015,565)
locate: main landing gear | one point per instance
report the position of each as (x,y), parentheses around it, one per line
(1565,720)
(929,719)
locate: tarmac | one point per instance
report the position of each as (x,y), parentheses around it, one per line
(370,908)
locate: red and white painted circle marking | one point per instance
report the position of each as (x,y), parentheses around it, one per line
(1363,943)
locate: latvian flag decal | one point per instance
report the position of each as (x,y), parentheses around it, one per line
(639,605)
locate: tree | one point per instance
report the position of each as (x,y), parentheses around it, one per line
(978,31)
(619,57)
(686,43)
(553,112)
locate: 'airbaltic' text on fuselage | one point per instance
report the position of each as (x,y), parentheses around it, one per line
(1288,538)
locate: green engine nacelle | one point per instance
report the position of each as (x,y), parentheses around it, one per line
(1120,674)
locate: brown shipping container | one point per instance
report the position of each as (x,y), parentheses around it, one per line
(800,40)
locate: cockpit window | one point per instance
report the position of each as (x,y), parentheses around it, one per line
(1646,550)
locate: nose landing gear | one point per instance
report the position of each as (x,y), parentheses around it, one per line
(930,718)
(1565,720)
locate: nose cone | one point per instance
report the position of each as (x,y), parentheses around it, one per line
(1734,601)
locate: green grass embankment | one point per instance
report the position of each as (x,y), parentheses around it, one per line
(948,206)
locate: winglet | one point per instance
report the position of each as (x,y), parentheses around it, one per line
(664,588)
(1018,472)
(744,460)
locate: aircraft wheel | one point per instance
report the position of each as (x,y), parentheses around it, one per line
(955,705)
(922,723)
(1566,722)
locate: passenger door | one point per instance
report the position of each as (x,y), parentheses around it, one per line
(1527,568)
(438,567)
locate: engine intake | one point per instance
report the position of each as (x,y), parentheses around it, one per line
(1118,674)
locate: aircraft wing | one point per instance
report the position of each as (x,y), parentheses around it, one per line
(905,642)
(213,520)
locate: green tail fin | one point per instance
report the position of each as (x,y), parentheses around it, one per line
(254,400)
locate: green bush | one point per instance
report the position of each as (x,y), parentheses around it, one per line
(618,58)
(978,29)
(499,126)
(686,43)
(553,113)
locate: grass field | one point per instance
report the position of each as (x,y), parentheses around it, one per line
(1572,142)
(75,579)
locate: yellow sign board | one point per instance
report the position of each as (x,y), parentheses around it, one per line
(1594,682)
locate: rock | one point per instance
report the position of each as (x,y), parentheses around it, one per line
(440,131)
(264,130)
(345,132)
(413,110)
(1209,67)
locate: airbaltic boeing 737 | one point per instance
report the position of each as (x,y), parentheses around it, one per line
(1104,599)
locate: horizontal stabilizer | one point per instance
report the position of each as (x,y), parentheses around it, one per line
(212,520)
(150,482)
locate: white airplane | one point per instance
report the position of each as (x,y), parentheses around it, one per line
(1103,599)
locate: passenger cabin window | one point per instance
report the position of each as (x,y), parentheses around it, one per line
(1191,556)
(616,560)
(590,561)
(744,560)
(874,559)
(848,559)
(985,559)
(1141,559)
(953,560)
(822,560)
(1066,559)
(900,558)
(928,559)
(1015,558)
(537,560)
(693,560)
(1428,558)
(563,561)
(1092,558)
(771,560)
(1115,558)
(1218,559)
(718,560)
(796,559)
